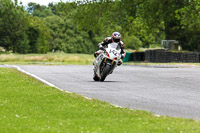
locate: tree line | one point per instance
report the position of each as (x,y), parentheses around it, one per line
(77,27)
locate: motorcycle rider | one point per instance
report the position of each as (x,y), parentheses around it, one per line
(116,37)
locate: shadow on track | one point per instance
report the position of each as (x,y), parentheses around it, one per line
(105,81)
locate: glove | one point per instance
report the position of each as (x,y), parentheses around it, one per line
(123,55)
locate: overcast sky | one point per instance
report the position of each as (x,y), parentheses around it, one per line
(41,2)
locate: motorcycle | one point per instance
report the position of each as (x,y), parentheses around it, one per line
(106,61)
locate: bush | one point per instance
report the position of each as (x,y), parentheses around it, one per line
(132,42)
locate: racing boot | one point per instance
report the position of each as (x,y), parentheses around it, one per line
(120,62)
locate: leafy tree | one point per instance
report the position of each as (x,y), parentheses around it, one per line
(38,10)
(39,37)
(77,27)
(66,37)
(189,17)
(20,32)
(132,42)
(13,27)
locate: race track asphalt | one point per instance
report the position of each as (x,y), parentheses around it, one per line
(169,91)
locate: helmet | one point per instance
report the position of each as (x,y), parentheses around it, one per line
(116,36)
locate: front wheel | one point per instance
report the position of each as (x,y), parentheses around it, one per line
(95,77)
(105,72)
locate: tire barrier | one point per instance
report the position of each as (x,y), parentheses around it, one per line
(138,56)
(163,56)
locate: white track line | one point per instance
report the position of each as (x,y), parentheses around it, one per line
(34,76)
(42,80)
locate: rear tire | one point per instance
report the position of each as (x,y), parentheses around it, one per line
(105,72)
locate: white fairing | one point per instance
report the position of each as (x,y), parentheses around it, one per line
(114,51)
(111,53)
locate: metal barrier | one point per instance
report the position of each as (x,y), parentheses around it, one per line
(128,57)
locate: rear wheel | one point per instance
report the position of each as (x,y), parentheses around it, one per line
(105,72)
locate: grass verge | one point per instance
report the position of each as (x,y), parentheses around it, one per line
(50,58)
(64,59)
(27,105)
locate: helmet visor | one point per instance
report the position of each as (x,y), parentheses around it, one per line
(116,40)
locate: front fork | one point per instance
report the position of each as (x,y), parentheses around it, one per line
(108,62)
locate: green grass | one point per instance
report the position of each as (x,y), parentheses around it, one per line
(65,59)
(50,58)
(27,105)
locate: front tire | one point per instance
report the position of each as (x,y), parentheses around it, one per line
(95,77)
(105,72)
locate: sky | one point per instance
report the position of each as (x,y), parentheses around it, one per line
(41,2)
